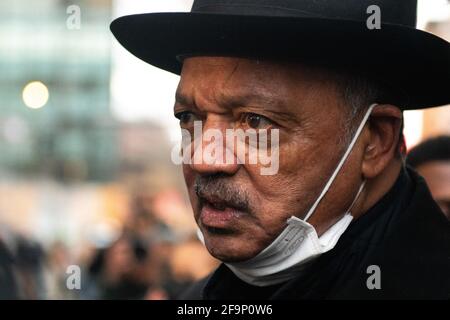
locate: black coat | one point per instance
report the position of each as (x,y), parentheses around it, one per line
(405,235)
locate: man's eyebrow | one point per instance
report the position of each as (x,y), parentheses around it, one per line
(250,99)
(243,99)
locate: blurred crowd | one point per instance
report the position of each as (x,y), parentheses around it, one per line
(147,260)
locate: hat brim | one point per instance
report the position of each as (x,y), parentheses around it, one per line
(416,62)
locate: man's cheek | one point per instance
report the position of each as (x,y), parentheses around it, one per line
(189,176)
(270,188)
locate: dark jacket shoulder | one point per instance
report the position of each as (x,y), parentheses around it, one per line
(414,261)
(195,291)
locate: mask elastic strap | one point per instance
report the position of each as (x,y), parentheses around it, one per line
(341,163)
(360,190)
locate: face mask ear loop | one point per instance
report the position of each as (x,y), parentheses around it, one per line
(341,163)
(360,190)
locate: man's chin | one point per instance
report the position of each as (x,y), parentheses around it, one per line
(229,248)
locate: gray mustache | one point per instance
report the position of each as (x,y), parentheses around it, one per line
(218,190)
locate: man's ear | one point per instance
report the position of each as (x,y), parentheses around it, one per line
(383,140)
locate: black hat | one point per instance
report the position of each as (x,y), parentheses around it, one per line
(330,32)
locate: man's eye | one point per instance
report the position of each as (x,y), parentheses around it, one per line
(185,117)
(256,121)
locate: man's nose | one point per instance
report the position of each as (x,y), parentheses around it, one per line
(211,152)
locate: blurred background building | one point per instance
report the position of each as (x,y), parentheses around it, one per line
(72,136)
(437,121)
(86,132)
(434,17)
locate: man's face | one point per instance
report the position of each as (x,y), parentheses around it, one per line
(437,175)
(238,210)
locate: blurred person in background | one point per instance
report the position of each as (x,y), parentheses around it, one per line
(176,267)
(115,273)
(143,223)
(136,265)
(30,258)
(431,159)
(56,263)
(21,267)
(189,263)
(8,282)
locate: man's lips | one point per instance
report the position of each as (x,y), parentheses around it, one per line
(219,218)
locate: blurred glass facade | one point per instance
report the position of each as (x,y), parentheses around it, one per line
(72,136)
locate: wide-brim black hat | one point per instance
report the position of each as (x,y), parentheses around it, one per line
(335,33)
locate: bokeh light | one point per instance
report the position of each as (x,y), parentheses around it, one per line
(35,95)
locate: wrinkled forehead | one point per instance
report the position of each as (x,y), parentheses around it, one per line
(241,76)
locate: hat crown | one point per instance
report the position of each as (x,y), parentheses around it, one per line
(402,12)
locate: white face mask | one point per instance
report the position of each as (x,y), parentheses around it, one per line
(298,244)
